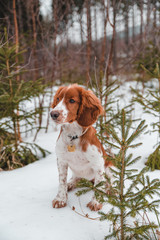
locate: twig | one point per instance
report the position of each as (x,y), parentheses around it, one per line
(85,215)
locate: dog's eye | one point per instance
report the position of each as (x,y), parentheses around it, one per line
(57,99)
(71,100)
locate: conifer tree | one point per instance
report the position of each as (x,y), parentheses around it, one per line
(151,104)
(132,192)
(13,94)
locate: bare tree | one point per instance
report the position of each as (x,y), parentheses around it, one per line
(110,56)
(104,39)
(89,39)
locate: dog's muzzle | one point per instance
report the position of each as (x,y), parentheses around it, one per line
(54,115)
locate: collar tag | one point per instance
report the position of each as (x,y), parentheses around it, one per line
(71,148)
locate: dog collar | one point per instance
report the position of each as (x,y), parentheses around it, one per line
(76,136)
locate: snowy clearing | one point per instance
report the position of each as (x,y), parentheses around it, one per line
(26,211)
(26,196)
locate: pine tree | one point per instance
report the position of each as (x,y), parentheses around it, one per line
(13,94)
(151,105)
(132,191)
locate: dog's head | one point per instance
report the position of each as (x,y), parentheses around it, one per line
(75,103)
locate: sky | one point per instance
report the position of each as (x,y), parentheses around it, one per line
(45,7)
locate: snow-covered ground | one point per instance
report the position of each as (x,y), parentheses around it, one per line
(26,211)
(26,196)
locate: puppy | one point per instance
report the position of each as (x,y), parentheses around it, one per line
(78,147)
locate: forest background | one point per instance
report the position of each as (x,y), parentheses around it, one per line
(101,45)
(70,41)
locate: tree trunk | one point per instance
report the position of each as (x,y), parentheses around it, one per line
(95,23)
(20,17)
(114,39)
(17,68)
(16,28)
(141,26)
(109,62)
(103,50)
(55,24)
(81,27)
(126,19)
(154,21)
(133,25)
(155,15)
(122,193)
(148,13)
(33,13)
(55,55)
(89,41)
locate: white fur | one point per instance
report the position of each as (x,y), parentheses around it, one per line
(89,164)
(61,107)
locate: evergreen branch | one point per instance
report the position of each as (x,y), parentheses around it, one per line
(136,180)
(131,162)
(123,123)
(114,135)
(147,71)
(80,192)
(128,127)
(111,144)
(140,229)
(135,145)
(141,127)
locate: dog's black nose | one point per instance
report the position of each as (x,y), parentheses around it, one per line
(54,115)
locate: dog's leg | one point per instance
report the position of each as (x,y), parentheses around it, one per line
(61,198)
(72,183)
(99,170)
(94,205)
(109,184)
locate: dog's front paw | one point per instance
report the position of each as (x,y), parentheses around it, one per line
(94,205)
(58,203)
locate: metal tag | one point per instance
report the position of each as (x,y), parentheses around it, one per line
(71,148)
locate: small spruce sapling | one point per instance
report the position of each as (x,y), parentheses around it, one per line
(149,57)
(151,104)
(132,191)
(13,95)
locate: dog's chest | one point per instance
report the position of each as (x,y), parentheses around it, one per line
(80,164)
(69,149)
(83,164)
(71,152)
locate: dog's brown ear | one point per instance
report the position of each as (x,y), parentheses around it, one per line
(56,96)
(90,108)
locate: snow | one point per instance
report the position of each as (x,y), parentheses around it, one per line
(26,196)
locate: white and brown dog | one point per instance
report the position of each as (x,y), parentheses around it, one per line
(78,147)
